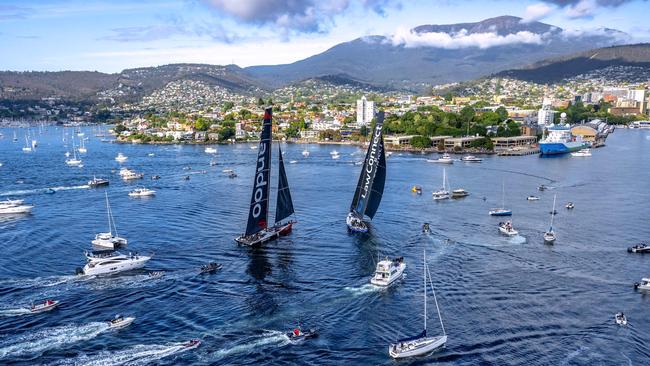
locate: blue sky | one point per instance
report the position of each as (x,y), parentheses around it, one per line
(110,36)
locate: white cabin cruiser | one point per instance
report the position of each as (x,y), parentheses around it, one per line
(210,150)
(445,159)
(388,271)
(532,198)
(121,158)
(111,262)
(639,248)
(128,174)
(142,192)
(459,193)
(582,153)
(506,228)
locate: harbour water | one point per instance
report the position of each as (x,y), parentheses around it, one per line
(505,301)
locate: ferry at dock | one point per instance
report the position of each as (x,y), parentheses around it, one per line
(560,141)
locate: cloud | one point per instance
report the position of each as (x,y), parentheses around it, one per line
(586,8)
(9,12)
(172,27)
(298,16)
(536,12)
(462,39)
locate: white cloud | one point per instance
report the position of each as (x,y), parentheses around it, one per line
(536,12)
(462,39)
(583,9)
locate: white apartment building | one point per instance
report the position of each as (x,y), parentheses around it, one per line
(365,111)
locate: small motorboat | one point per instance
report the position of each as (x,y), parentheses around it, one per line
(210,267)
(416,189)
(541,187)
(155,177)
(151,154)
(425,228)
(471,159)
(191,344)
(506,228)
(142,192)
(388,271)
(582,153)
(532,198)
(187,177)
(232,175)
(187,168)
(297,334)
(213,163)
(305,153)
(49,191)
(120,322)
(569,206)
(120,158)
(620,318)
(500,212)
(643,285)
(97,182)
(553,212)
(46,305)
(444,159)
(210,150)
(293,161)
(639,248)
(459,193)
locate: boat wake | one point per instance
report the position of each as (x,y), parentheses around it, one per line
(271,337)
(37,282)
(141,354)
(363,289)
(50,338)
(26,192)
(14,312)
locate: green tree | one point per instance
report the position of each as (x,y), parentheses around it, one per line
(260,101)
(502,112)
(467,114)
(227,106)
(421,142)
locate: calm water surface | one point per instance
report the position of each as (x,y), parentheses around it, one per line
(505,301)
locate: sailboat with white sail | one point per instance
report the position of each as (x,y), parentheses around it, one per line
(370,186)
(502,211)
(74,161)
(442,193)
(27,147)
(257,229)
(549,236)
(422,343)
(82,146)
(110,240)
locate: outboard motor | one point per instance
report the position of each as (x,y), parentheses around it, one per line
(79,271)
(636,285)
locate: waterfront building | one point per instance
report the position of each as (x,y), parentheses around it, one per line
(507,143)
(365,111)
(398,140)
(545,115)
(460,142)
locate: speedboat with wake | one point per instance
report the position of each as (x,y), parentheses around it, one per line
(97,182)
(194,343)
(643,285)
(620,318)
(297,334)
(142,192)
(570,206)
(388,271)
(506,228)
(422,343)
(639,248)
(120,158)
(120,322)
(426,228)
(111,262)
(46,305)
(257,229)
(370,186)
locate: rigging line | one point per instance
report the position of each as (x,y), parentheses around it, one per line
(435,299)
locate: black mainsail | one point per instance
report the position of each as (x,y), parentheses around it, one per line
(259,207)
(284,204)
(370,187)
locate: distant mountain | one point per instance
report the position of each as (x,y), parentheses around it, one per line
(378,60)
(130,84)
(556,69)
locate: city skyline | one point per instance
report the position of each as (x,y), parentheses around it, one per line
(110,37)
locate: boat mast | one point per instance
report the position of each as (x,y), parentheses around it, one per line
(503,194)
(435,299)
(424,282)
(553,212)
(108,213)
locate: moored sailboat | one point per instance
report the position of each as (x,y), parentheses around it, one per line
(422,343)
(549,236)
(110,240)
(257,229)
(370,187)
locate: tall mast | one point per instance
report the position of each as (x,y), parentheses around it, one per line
(553,211)
(503,194)
(108,213)
(424,282)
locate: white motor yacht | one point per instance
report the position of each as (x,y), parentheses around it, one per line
(121,158)
(128,174)
(336,156)
(445,159)
(142,192)
(532,198)
(109,262)
(210,150)
(506,228)
(471,159)
(459,193)
(582,153)
(120,322)
(388,271)
(643,285)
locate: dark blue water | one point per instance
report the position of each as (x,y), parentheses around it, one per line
(504,301)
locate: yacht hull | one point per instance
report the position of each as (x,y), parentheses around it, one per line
(416,347)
